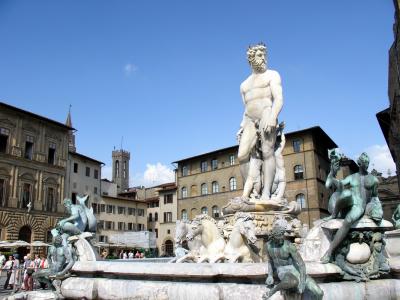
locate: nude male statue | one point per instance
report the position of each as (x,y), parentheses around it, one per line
(352,203)
(61,258)
(262,96)
(286,268)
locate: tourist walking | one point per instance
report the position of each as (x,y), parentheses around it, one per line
(29,269)
(8,266)
(130,255)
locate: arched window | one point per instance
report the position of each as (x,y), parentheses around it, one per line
(215,187)
(301,200)
(184,192)
(184,215)
(117,168)
(215,211)
(298,172)
(124,169)
(204,190)
(193,213)
(155,217)
(150,217)
(204,210)
(232,184)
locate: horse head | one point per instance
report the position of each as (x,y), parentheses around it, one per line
(194,230)
(246,227)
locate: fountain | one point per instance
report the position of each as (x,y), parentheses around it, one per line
(258,250)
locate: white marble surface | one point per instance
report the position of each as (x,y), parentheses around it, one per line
(112,289)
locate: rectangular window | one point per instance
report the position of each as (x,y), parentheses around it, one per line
(167,217)
(94,205)
(4,133)
(231,160)
(95,190)
(28,147)
(156,217)
(109,209)
(168,198)
(73,198)
(51,158)
(121,226)
(131,211)
(109,225)
(50,199)
(96,174)
(102,208)
(75,167)
(130,227)
(203,166)
(156,231)
(87,172)
(26,195)
(296,145)
(121,210)
(214,164)
(140,212)
(103,239)
(2,191)
(185,171)
(101,224)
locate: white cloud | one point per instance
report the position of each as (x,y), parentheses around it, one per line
(129,69)
(154,174)
(380,159)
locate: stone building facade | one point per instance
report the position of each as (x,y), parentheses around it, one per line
(33,160)
(83,177)
(206,182)
(118,214)
(389,119)
(161,214)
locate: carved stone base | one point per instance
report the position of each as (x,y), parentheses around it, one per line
(246,205)
(265,220)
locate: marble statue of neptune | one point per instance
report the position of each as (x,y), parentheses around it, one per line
(262,97)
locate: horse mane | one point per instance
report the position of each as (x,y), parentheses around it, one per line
(202,217)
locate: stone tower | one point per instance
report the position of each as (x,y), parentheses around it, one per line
(120,169)
(71,135)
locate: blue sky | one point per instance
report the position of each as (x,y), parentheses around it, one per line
(165,75)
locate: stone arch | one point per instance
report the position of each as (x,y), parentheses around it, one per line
(35,225)
(25,234)
(7,223)
(168,246)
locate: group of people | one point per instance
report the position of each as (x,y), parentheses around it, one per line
(15,268)
(130,255)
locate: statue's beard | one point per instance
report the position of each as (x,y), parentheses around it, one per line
(259,65)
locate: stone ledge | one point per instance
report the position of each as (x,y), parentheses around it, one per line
(191,271)
(113,289)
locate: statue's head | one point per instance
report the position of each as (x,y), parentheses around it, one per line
(57,240)
(363,161)
(257,57)
(68,204)
(278,231)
